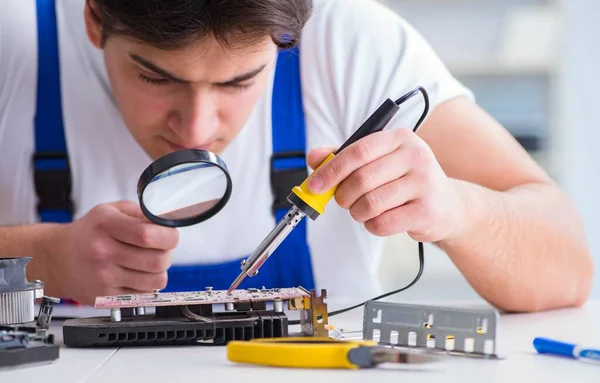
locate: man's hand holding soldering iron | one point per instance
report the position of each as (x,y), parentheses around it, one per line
(391,182)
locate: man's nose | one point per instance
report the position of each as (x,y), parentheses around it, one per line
(196,121)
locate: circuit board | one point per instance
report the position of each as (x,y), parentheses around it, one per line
(198,297)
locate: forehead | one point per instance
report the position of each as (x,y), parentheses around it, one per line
(206,60)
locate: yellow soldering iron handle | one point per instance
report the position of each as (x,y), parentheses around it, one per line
(315,201)
(294,352)
(313,204)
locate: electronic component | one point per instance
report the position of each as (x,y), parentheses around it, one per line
(313,313)
(23,341)
(17,295)
(210,316)
(198,297)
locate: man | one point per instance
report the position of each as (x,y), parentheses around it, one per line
(142,79)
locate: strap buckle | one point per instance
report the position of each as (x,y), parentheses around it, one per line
(53,183)
(288,169)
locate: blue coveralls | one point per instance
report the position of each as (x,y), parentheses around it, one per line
(289,266)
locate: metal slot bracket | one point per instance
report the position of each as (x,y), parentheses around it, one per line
(452,331)
(313,313)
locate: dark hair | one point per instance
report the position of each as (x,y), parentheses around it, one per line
(175,24)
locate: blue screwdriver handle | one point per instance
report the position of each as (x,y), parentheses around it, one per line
(551,346)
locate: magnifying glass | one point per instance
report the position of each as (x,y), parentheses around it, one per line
(184,188)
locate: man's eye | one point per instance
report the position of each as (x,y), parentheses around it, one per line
(154,81)
(238,86)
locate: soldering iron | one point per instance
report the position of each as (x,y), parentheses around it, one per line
(305,203)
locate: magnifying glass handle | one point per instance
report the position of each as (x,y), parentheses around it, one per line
(306,203)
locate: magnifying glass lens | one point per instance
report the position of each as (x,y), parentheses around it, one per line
(184,188)
(185,191)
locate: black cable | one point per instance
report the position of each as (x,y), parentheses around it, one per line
(411,94)
(399,101)
(419,273)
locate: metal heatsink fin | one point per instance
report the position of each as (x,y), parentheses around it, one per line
(17,307)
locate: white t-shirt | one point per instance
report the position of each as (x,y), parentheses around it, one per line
(354,55)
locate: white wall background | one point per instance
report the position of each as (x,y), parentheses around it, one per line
(555,99)
(578,148)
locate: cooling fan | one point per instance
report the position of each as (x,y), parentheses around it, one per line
(23,339)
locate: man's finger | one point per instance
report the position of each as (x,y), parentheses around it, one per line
(358,154)
(316,156)
(401,219)
(140,281)
(149,261)
(127,229)
(384,198)
(371,176)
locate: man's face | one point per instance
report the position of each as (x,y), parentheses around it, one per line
(198,97)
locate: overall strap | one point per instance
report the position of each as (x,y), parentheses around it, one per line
(288,162)
(289,169)
(290,265)
(50,160)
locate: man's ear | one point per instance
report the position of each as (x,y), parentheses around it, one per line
(93,23)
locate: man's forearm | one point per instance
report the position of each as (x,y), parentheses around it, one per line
(29,241)
(522,250)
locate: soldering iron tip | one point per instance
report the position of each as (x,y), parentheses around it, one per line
(236,283)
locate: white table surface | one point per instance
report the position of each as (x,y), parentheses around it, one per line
(197,363)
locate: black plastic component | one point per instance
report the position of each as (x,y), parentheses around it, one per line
(258,305)
(53,186)
(375,123)
(168,312)
(283,180)
(148,330)
(242,306)
(175,311)
(362,357)
(306,209)
(21,346)
(127,312)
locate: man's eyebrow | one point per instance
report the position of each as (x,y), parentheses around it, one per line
(243,77)
(156,69)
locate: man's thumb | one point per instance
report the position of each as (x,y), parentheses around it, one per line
(318,155)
